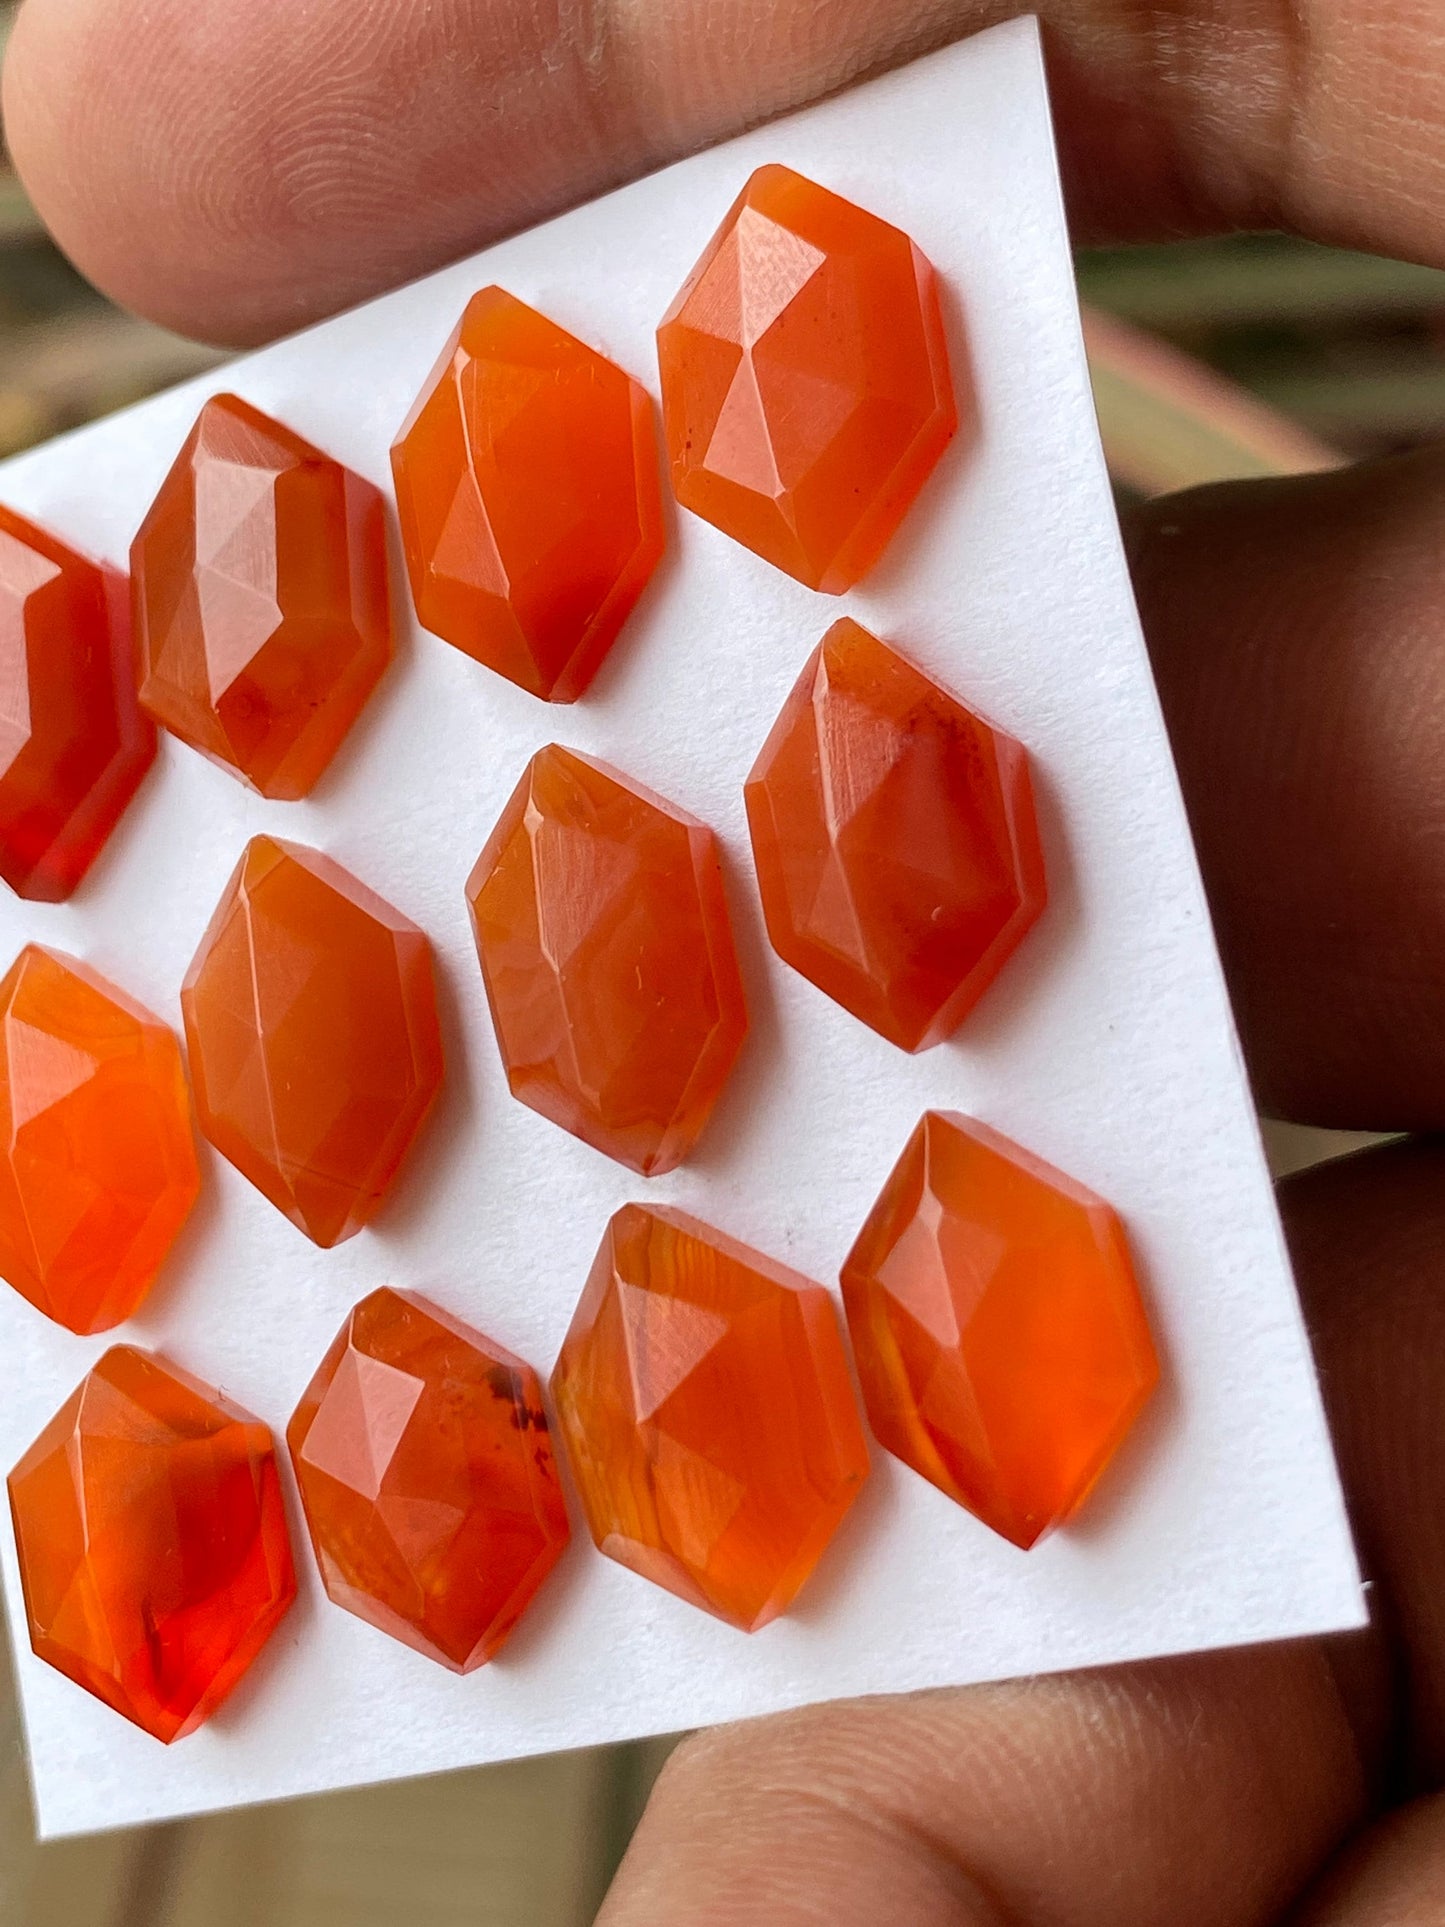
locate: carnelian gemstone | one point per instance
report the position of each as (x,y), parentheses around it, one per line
(73,744)
(895,839)
(704,1399)
(310,1012)
(805,384)
(531,513)
(426,1472)
(608,957)
(263,615)
(1002,1344)
(98,1167)
(152,1538)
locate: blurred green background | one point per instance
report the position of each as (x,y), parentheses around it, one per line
(1244,356)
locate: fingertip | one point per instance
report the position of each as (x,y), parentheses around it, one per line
(227,171)
(1295,630)
(91,95)
(1219,1780)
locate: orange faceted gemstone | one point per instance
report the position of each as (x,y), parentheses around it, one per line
(263,615)
(152,1537)
(98,1169)
(895,839)
(704,1398)
(73,744)
(427,1476)
(805,385)
(526,482)
(311,1019)
(608,957)
(1001,1341)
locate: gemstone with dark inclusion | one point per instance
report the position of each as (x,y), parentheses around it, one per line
(427,1477)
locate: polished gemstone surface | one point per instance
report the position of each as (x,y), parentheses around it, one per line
(73,743)
(806,393)
(426,1472)
(608,956)
(527,485)
(97,1153)
(310,1012)
(895,839)
(263,615)
(704,1400)
(1001,1340)
(152,1538)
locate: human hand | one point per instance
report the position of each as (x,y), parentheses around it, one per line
(235,171)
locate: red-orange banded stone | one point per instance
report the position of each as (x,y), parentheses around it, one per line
(806,393)
(527,485)
(895,838)
(310,1011)
(704,1399)
(73,742)
(263,613)
(97,1155)
(426,1471)
(608,958)
(154,1554)
(1001,1339)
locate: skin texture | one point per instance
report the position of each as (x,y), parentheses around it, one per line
(237,170)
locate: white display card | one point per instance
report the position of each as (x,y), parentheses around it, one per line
(1106,1047)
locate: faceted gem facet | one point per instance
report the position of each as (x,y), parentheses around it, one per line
(704,1399)
(152,1537)
(895,839)
(527,485)
(608,956)
(311,1019)
(426,1471)
(1002,1343)
(805,384)
(263,614)
(99,1168)
(73,743)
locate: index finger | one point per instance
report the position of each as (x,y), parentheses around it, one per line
(238,171)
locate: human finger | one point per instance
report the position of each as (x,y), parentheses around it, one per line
(237,171)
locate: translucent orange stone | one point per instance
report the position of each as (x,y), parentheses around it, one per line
(608,956)
(805,385)
(98,1166)
(1002,1344)
(152,1538)
(895,839)
(426,1471)
(703,1395)
(73,744)
(263,615)
(531,513)
(310,1012)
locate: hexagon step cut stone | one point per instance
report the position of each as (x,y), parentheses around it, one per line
(427,1477)
(806,393)
(154,1554)
(310,1013)
(704,1399)
(99,1167)
(73,742)
(895,839)
(531,508)
(1002,1343)
(262,606)
(608,957)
